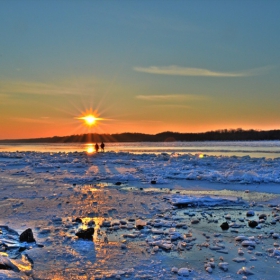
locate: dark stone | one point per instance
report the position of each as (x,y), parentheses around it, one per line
(139,227)
(263,216)
(118,183)
(78,220)
(74,185)
(224,226)
(252,224)
(153,182)
(141,189)
(85,233)
(40,245)
(27,236)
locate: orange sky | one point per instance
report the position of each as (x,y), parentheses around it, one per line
(181,67)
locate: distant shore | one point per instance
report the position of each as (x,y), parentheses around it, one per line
(218,135)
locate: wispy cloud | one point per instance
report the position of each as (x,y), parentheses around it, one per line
(188,71)
(171,97)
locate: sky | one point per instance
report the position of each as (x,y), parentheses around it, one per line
(138,66)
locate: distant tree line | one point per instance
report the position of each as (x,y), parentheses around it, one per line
(218,135)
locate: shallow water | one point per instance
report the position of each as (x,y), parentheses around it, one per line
(267,149)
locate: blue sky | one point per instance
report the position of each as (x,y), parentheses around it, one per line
(143,66)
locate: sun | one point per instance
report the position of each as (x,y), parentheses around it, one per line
(89,119)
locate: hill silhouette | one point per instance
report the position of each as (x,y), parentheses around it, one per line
(218,135)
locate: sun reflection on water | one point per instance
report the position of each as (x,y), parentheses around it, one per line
(89,148)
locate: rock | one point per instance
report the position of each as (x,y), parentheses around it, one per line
(241,238)
(235,225)
(195,221)
(250,213)
(139,224)
(239,260)
(223,251)
(27,236)
(275,235)
(153,182)
(78,220)
(247,243)
(223,266)
(183,271)
(263,216)
(276,252)
(245,271)
(252,224)
(106,223)
(224,226)
(118,183)
(174,269)
(155,248)
(85,233)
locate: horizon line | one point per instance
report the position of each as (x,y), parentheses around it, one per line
(226,130)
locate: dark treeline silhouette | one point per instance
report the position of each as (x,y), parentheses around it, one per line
(218,135)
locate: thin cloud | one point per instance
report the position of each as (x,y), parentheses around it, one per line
(171,97)
(174,70)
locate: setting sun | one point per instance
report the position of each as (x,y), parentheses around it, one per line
(89,119)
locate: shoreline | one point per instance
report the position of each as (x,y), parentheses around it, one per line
(139,232)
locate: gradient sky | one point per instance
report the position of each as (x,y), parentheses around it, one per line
(142,66)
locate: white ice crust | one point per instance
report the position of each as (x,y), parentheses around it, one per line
(164,168)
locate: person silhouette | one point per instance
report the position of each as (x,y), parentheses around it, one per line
(96,147)
(102,146)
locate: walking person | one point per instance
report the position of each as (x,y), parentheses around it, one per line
(96,147)
(102,146)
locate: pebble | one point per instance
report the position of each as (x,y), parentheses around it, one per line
(246,243)
(252,224)
(276,252)
(240,252)
(183,271)
(245,271)
(239,260)
(263,216)
(174,269)
(224,226)
(223,266)
(250,213)
(275,235)
(241,238)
